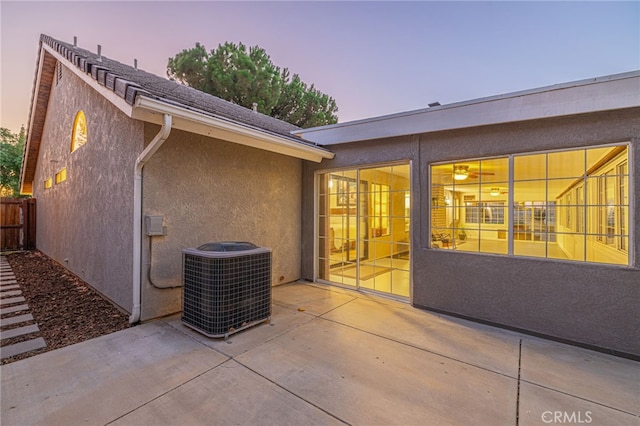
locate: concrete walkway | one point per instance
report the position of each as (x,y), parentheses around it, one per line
(329,356)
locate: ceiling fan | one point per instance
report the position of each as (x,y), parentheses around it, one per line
(461,172)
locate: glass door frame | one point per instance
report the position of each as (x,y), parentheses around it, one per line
(360,241)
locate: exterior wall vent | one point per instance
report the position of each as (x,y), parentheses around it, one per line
(226,287)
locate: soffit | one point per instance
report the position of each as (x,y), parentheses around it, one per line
(587,96)
(39,101)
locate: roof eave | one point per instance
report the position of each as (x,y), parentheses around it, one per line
(131,99)
(39,101)
(608,93)
(151,110)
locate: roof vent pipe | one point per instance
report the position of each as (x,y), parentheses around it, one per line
(100,53)
(255,107)
(75,41)
(135,64)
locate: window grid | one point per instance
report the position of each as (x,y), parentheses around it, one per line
(594,207)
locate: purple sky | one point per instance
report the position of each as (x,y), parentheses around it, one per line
(373,58)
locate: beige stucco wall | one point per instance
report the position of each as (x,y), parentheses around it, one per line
(210,190)
(85,222)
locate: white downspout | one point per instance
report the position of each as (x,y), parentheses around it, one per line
(153,146)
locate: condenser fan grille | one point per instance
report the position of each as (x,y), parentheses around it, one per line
(225,292)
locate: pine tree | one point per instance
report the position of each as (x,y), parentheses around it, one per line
(245,77)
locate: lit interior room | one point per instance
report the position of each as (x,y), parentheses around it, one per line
(571,205)
(364,228)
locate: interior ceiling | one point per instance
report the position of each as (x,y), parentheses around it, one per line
(562,169)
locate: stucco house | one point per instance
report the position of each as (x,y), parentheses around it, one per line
(518,210)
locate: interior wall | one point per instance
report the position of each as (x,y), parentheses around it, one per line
(211,190)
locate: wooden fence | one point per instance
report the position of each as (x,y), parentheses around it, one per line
(17,223)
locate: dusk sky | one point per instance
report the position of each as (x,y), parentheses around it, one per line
(373,58)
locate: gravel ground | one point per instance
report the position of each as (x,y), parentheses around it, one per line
(65,308)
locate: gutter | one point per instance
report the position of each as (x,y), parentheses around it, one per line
(142,159)
(193,121)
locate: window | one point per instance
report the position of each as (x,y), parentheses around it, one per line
(579,208)
(48,183)
(380,210)
(476,212)
(61,176)
(570,205)
(623,198)
(79,132)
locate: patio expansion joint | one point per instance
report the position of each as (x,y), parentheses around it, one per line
(420,348)
(234,358)
(620,410)
(292,393)
(178,386)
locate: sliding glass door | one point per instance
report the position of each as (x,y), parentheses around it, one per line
(364,228)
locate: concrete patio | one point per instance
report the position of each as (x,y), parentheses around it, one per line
(329,356)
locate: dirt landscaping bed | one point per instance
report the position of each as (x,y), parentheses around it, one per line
(65,308)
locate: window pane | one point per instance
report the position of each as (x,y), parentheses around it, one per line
(596,156)
(569,246)
(489,242)
(400,178)
(566,164)
(529,248)
(530,190)
(495,170)
(527,167)
(442,174)
(600,253)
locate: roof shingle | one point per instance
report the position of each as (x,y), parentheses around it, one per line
(129,82)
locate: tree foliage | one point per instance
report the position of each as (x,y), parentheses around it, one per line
(245,77)
(11,148)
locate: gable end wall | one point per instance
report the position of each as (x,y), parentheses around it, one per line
(85,222)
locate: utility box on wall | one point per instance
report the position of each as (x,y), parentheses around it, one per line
(154,226)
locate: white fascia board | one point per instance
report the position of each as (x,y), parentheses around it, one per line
(615,92)
(116,100)
(152,110)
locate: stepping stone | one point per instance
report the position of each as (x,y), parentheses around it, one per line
(9,287)
(22,347)
(11,300)
(20,331)
(10,293)
(16,320)
(12,309)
